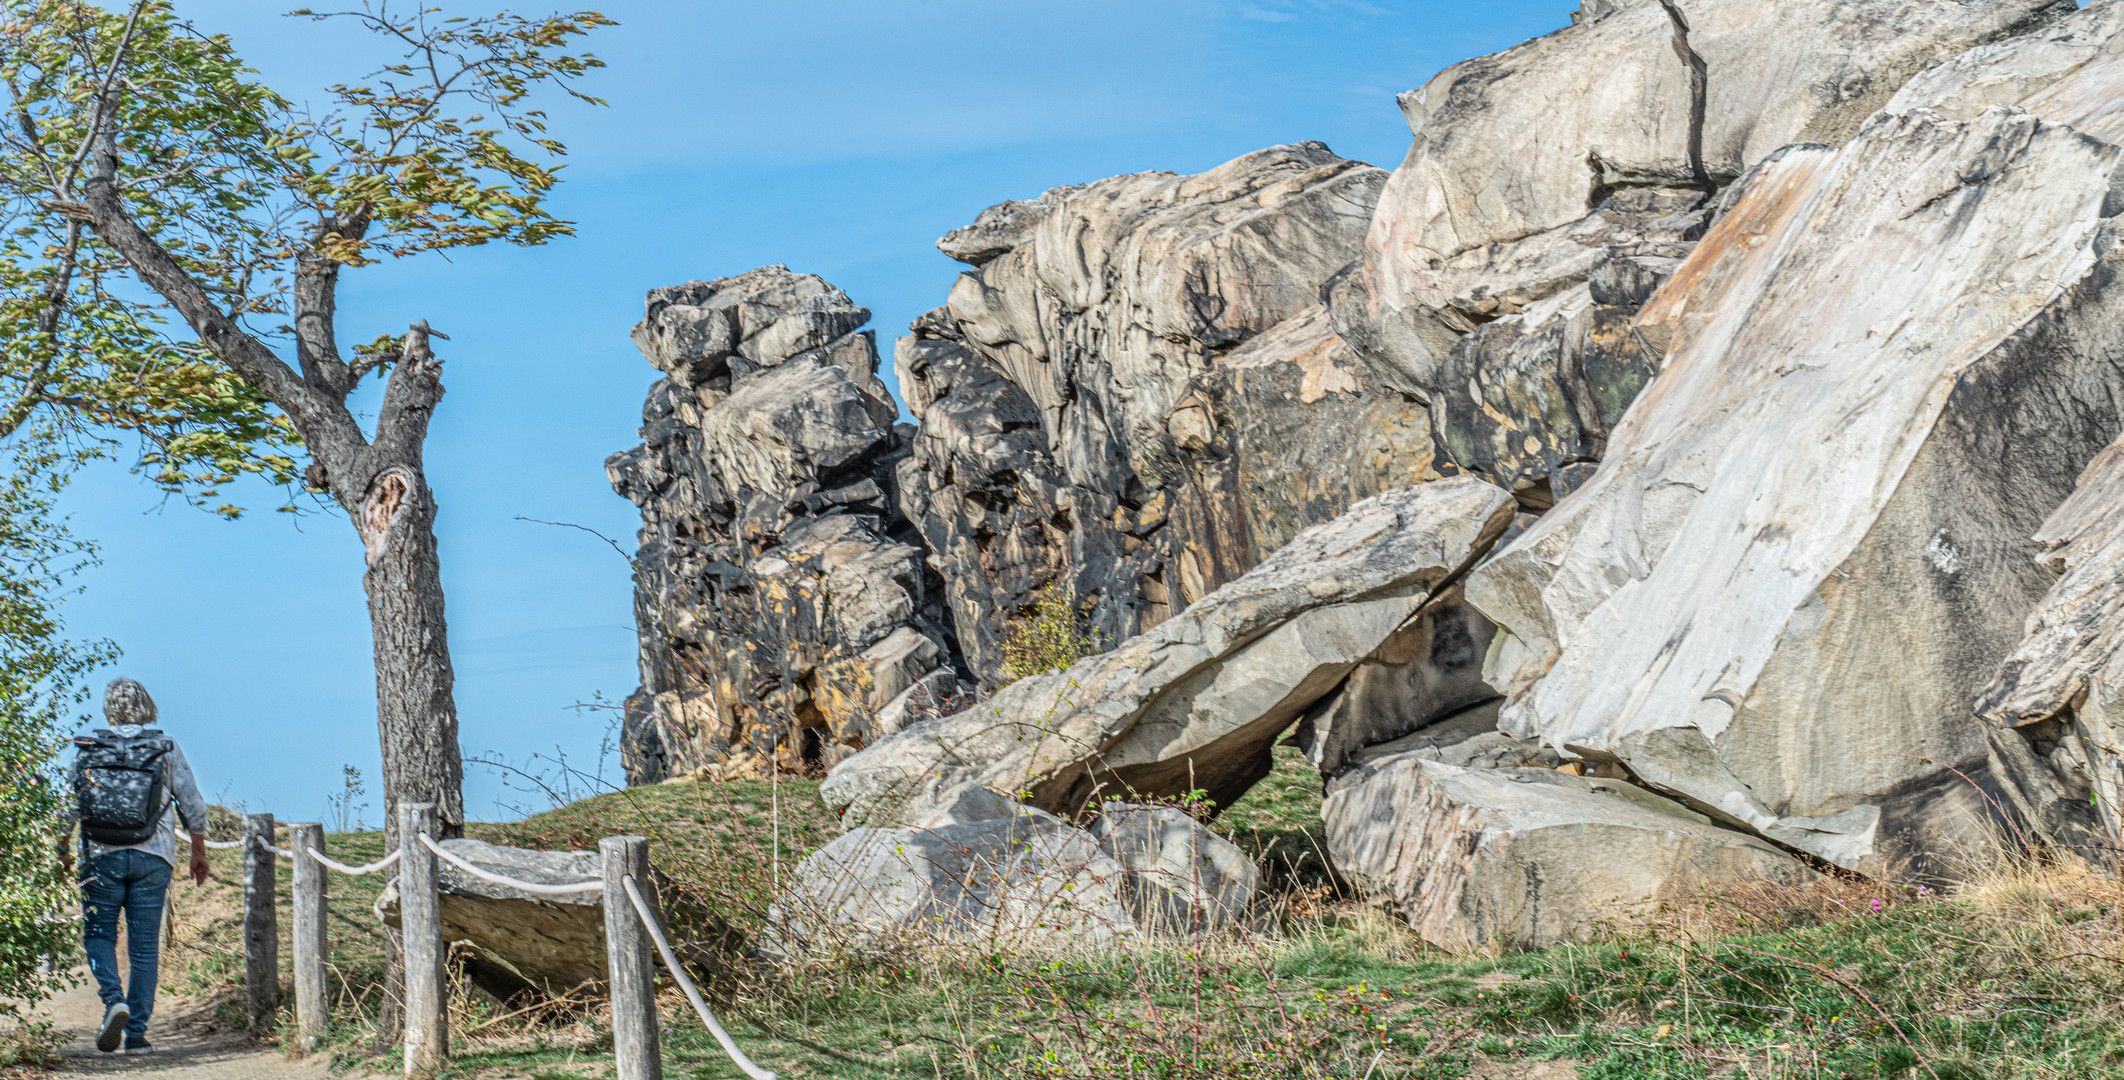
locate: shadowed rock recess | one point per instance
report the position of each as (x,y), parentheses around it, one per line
(1698,461)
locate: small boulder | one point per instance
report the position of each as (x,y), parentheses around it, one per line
(1477,859)
(1026,879)
(1182,877)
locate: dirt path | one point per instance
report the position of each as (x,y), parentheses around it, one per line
(182,1052)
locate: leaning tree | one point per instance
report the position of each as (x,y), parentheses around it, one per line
(150,174)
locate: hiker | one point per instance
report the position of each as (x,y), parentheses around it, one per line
(126,779)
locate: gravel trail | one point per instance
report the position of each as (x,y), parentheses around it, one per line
(183,1049)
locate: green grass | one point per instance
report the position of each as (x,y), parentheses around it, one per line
(1278,822)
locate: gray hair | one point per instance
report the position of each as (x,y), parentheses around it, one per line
(127,702)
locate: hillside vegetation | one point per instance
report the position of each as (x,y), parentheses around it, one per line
(2017,976)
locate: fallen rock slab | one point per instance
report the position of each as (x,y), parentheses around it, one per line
(522,940)
(1196,703)
(1486,859)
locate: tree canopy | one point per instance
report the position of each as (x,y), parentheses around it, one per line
(252,203)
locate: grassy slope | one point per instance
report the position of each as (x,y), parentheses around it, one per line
(2017,979)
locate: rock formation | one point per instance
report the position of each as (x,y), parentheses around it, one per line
(1195,703)
(782,603)
(1138,394)
(1636,488)
(1808,540)
(2057,698)
(1603,141)
(2055,701)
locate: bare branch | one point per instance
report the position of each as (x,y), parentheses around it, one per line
(105,99)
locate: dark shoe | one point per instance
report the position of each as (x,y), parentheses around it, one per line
(114,1021)
(137,1046)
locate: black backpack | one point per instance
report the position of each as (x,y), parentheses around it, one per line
(118,784)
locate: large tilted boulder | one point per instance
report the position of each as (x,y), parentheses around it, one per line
(1196,703)
(782,601)
(1487,858)
(1603,142)
(1138,396)
(1807,546)
(520,940)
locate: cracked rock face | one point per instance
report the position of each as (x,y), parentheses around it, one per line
(2071,71)
(1606,140)
(2058,700)
(1141,395)
(781,602)
(1196,702)
(1806,548)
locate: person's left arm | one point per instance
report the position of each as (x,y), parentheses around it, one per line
(191,808)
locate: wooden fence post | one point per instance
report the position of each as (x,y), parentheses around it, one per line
(628,962)
(420,913)
(313,1010)
(261,922)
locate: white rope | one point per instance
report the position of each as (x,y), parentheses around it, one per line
(357,871)
(224,843)
(510,882)
(693,993)
(268,845)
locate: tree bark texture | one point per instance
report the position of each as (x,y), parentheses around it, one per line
(416,716)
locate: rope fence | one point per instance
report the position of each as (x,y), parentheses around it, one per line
(693,993)
(631,929)
(510,882)
(363,870)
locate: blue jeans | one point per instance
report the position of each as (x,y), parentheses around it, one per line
(136,882)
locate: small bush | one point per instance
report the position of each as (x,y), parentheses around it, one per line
(1049,634)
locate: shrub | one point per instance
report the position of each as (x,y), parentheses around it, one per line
(41,680)
(1048,634)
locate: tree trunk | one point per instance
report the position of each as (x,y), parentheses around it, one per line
(416,715)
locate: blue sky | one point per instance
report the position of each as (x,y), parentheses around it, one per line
(840,137)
